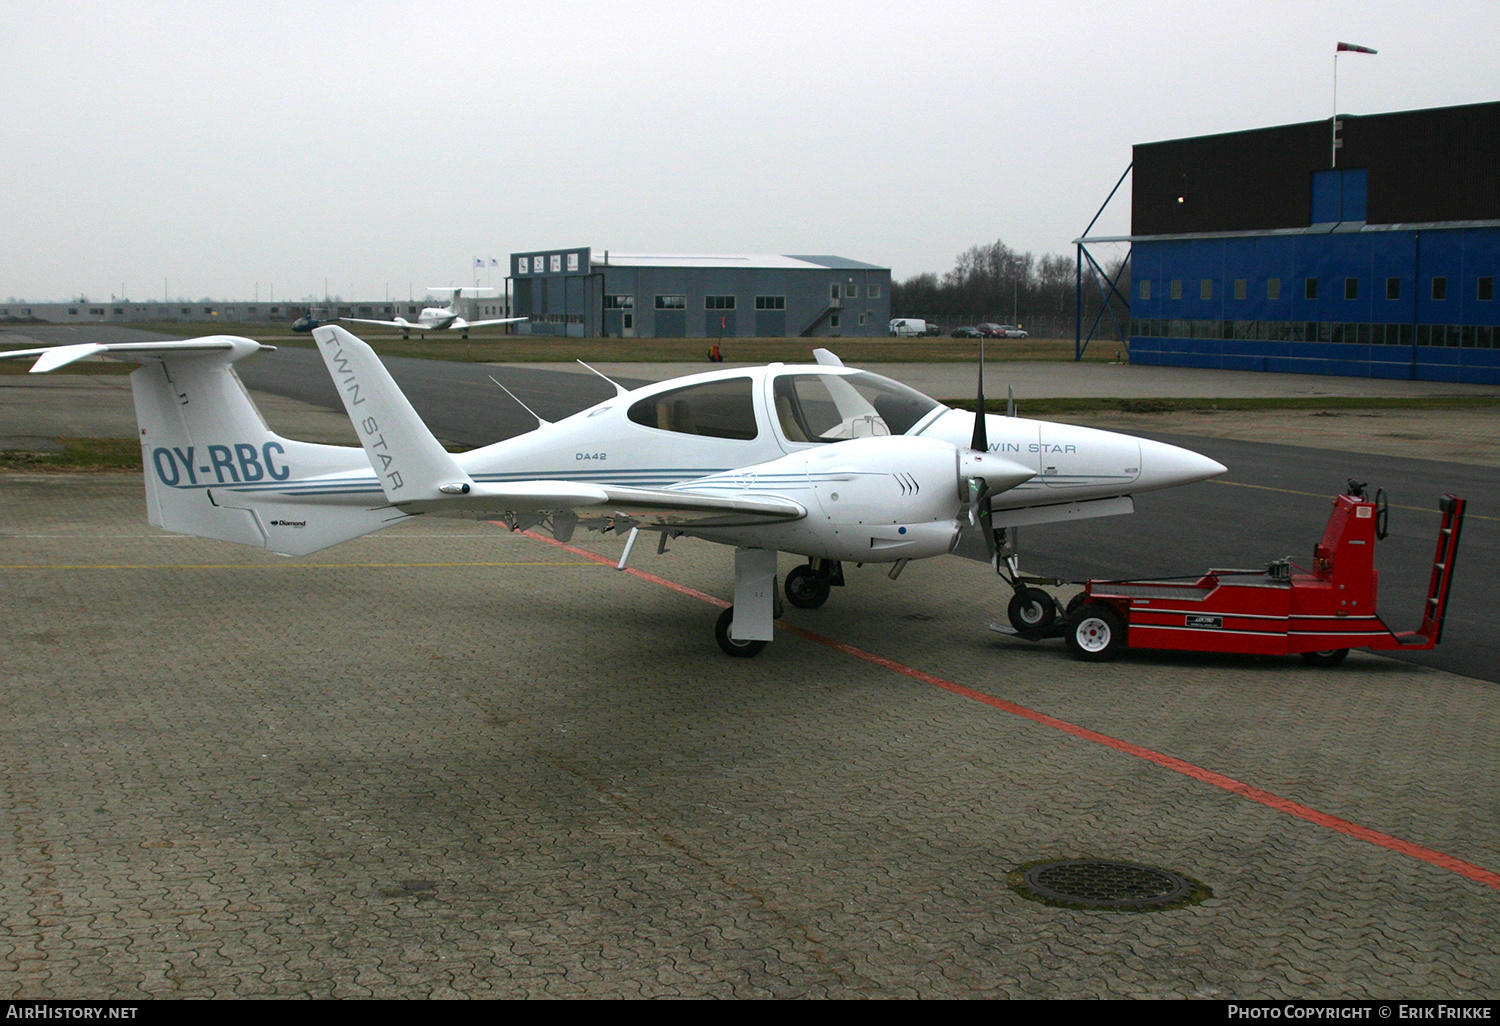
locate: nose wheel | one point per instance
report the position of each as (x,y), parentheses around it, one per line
(1032,611)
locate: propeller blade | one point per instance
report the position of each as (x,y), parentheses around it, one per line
(981,440)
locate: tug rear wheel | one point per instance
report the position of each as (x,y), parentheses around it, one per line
(1032,611)
(1095,633)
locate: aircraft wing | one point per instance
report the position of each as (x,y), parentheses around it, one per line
(666,505)
(383,324)
(482,324)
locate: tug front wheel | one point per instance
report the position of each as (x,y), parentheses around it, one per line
(1328,657)
(805,589)
(1032,611)
(740,649)
(1095,633)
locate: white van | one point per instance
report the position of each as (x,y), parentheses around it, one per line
(906,327)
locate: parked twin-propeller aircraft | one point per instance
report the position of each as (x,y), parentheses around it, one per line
(820,460)
(438,318)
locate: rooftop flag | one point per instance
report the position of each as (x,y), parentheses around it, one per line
(1354,48)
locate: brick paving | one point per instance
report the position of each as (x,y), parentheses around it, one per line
(226,773)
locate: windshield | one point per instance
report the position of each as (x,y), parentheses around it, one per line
(836,407)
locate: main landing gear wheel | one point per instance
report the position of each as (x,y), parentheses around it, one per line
(1032,611)
(805,589)
(1095,633)
(1328,657)
(742,649)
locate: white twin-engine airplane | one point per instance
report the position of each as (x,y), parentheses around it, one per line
(820,460)
(438,318)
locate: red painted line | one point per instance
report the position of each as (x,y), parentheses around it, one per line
(1285,805)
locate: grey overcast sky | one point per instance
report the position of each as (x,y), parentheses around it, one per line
(220,148)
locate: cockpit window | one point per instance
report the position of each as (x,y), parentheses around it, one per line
(835,407)
(719,409)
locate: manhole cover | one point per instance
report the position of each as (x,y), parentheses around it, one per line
(1119,886)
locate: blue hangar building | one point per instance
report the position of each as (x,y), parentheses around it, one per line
(582,292)
(1367,247)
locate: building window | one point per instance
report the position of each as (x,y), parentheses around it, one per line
(770,302)
(671,302)
(1241,288)
(833,292)
(1145,288)
(1351,288)
(873,292)
(1176,288)
(572,261)
(833,321)
(718,302)
(1486,291)
(1206,288)
(1440,288)
(1393,288)
(861,320)
(619,302)
(1273,288)
(1310,288)
(851,291)
(557,263)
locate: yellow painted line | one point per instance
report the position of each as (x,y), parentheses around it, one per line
(1324,495)
(268,566)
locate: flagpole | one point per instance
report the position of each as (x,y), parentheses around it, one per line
(1333,124)
(1333,135)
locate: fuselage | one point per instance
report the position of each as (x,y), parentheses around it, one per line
(687,428)
(436,318)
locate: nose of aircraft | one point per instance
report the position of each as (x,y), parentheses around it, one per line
(1165,466)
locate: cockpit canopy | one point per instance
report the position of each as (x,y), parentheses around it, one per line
(808,407)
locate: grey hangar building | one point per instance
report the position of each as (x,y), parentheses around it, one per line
(578,292)
(1366,247)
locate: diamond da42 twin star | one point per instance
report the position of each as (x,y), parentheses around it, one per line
(821,460)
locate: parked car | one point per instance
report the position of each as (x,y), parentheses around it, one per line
(992,330)
(968,333)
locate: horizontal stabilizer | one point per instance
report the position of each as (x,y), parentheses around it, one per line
(50,358)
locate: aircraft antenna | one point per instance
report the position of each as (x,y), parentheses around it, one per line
(539,421)
(619,388)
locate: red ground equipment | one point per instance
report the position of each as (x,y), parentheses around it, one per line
(1277,611)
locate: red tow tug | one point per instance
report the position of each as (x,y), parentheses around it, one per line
(1283,609)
